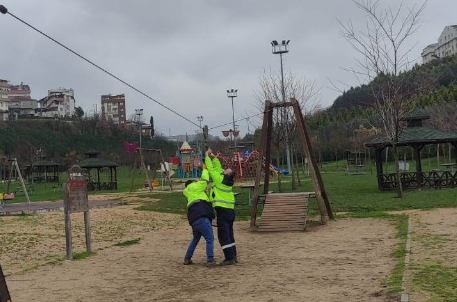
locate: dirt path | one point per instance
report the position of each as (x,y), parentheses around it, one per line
(345,261)
(433,269)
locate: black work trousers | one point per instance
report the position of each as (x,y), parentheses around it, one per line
(225,220)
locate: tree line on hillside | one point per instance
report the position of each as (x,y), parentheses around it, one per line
(66,141)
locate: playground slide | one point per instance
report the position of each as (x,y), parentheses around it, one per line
(277,170)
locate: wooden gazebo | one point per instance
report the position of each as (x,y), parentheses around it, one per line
(416,136)
(93,163)
(44,171)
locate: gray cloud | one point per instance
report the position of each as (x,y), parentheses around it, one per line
(185,53)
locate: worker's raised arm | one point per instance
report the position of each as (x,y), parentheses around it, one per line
(216,175)
(217,165)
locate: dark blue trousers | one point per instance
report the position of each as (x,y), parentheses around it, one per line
(225,220)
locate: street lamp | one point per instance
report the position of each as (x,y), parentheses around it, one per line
(200,120)
(233,93)
(280,49)
(139,113)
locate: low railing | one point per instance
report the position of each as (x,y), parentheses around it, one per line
(409,180)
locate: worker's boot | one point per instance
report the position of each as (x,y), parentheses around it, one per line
(210,263)
(227,262)
(187,261)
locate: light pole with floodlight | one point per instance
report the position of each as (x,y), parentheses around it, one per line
(281,49)
(233,93)
(139,113)
(200,120)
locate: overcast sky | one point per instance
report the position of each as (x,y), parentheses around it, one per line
(186,53)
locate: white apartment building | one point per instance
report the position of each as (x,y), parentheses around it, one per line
(446,46)
(4,93)
(59,102)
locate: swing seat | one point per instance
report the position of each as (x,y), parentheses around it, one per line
(8,196)
(284,212)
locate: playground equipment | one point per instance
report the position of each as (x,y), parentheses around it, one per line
(156,163)
(188,161)
(13,167)
(355,163)
(293,214)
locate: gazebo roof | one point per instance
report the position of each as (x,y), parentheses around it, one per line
(45,163)
(95,162)
(417,135)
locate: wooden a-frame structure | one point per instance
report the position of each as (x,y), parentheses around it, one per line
(323,203)
(157,159)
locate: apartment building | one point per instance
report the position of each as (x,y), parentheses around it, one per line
(59,102)
(4,93)
(113,108)
(446,46)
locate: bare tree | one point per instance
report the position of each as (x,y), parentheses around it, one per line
(383,47)
(304,90)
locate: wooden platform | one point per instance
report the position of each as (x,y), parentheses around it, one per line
(284,212)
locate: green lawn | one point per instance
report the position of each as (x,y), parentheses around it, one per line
(353,193)
(52,191)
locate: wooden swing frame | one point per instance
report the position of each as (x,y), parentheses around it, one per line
(139,156)
(323,203)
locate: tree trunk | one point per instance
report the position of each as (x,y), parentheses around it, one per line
(397,170)
(279,174)
(296,168)
(294,187)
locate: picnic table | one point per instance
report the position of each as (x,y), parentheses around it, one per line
(251,188)
(450,166)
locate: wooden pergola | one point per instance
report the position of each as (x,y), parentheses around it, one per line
(92,162)
(45,171)
(416,136)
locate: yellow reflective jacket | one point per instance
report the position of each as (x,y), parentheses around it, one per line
(220,195)
(197,190)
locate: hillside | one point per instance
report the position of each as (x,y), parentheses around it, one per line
(440,74)
(65,141)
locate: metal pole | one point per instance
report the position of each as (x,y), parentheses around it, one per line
(139,127)
(233,117)
(286,132)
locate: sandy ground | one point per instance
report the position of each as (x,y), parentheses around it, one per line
(433,241)
(344,261)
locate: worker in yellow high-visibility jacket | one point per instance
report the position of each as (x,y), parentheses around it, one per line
(223,200)
(200,214)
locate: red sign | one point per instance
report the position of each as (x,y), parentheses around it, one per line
(76,184)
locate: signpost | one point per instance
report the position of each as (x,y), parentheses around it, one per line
(76,201)
(4,293)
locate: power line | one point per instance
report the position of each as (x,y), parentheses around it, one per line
(243,119)
(4,10)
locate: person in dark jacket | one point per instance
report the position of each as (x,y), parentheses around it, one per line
(223,201)
(200,214)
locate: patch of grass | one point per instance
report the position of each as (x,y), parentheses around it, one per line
(83,255)
(394,281)
(128,242)
(437,280)
(431,241)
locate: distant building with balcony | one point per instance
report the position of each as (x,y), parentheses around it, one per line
(59,103)
(19,91)
(4,93)
(446,46)
(113,108)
